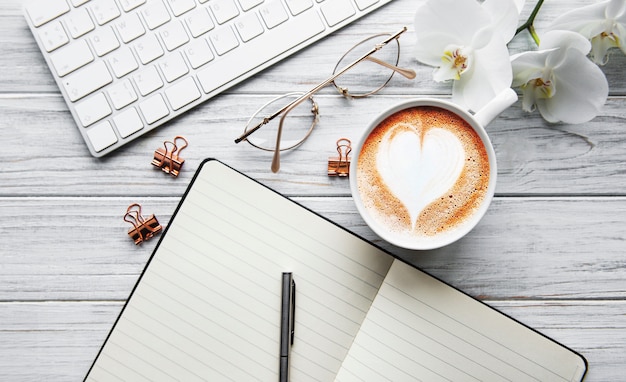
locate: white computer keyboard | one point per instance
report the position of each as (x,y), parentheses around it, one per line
(125,67)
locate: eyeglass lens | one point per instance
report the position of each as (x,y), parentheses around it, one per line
(367,77)
(298,124)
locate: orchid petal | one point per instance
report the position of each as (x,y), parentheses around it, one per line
(562,82)
(490,75)
(562,42)
(587,20)
(454,62)
(527,66)
(430,47)
(482,37)
(582,90)
(600,47)
(565,39)
(615,9)
(604,24)
(504,16)
(436,27)
(457,18)
(621,30)
(465,41)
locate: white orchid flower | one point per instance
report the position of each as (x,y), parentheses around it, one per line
(604,24)
(466,42)
(560,80)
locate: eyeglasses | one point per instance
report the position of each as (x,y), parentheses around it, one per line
(360,72)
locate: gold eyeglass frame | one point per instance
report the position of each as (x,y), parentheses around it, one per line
(284,111)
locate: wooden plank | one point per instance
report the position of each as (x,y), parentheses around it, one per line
(44,154)
(525,248)
(57,341)
(29,74)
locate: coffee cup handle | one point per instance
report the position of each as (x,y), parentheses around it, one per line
(496,106)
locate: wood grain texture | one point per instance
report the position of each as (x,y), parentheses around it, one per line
(524,248)
(57,341)
(46,156)
(550,252)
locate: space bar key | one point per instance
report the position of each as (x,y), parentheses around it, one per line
(264,47)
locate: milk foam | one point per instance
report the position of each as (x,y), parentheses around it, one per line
(419,168)
(451,161)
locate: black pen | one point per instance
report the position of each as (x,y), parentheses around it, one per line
(287,320)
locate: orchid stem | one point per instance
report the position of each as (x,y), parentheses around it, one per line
(529,24)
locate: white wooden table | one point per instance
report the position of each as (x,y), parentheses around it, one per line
(551,250)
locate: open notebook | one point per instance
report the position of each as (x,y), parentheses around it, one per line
(207,305)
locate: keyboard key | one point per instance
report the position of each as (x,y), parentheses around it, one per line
(79,22)
(130,28)
(173,67)
(337,10)
(43,11)
(155,14)
(78,3)
(181,6)
(198,53)
(247,5)
(174,35)
(71,57)
(127,66)
(267,46)
(104,41)
(93,109)
(249,27)
(274,14)
(199,22)
(364,4)
(122,94)
(123,62)
(182,93)
(87,80)
(104,11)
(153,109)
(53,36)
(298,6)
(148,49)
(148,80)
(128,122)
(102,136)
(224,40)
(128,5)
(224,10)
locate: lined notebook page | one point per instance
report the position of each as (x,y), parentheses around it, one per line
(420,329)
(207,306)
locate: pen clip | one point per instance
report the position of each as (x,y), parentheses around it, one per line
(292,313)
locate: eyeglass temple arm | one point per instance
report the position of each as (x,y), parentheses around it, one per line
(276,158)
(408,73)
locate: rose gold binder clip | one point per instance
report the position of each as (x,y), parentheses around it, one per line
(167,157)
(340,166)
(143,229)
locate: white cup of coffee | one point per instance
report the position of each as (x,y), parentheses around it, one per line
(424,172)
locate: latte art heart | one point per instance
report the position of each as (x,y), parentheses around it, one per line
(419,168)
(422,173)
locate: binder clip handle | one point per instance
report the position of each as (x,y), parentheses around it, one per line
(168,159)
(180,148)
(340,166)
(143,229)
